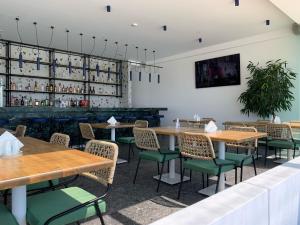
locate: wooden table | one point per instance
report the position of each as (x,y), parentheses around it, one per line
(221,137)
(113,132)
(295,125)
(42,161)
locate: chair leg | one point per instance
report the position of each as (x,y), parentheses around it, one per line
(203,183)
(218,181)
(257,153)
(137,168)
(294,151)
(168,166)
(190,175)
(181,178)
(157,168)
(235,177)
(161,172)
(99,214)
(207,180)
(254,165)
(241,175)
(266,154)
(129,151)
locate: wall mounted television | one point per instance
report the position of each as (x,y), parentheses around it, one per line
(222,71)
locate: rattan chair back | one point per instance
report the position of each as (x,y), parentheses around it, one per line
(60,139)
(229,124)
(20,131)
(86,131)
(250,145)
(106,150)
(141,123)
(280,131)
(146,139)
(198,146)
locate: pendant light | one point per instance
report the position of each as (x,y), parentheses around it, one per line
(154,67)
(38,59)
(20,60)
(149,75)
(125,59)
(118,75)
(69,57)
(137,58)
(82,57)
(92,52)
(51,37)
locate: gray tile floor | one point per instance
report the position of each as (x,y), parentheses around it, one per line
(140,204)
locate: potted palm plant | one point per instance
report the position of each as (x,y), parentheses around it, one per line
(268,89)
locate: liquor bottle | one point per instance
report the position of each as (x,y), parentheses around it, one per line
(42,87)
(35,86)
(22,101)
(94,92)
(30,102)
(59,87)
(78,89)
(17,102)
(93,78)
(55,88)
(74,89)
(51,88)
(25,101)
(70,89)
(47,87)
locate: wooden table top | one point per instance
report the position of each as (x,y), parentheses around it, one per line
(221,135)
(295,125)
(42,161)
(193,121)
(108,126)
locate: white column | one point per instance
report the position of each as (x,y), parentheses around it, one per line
(19,204)
(221,148)
(113,134)
(172,162)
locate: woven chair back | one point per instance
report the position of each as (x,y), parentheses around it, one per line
(145,138)
(280,131)
(60,139)
(106,150)
(198,146)
(141,123)
(20,131)
(86,131)
(250,145)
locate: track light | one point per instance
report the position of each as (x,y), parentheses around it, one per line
(268,22)
(108,8)
(200,40)
(165,27)
(237,2)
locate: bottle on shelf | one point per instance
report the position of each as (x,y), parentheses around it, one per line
(42,87)
(25,101)
(17,102)
(94,92)
(35,88)
(70,89)
(59,87)
(22,101)
(47,87)
(12,85)
(51,88)
(30,102)
(78,89)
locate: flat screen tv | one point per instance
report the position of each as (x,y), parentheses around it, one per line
(222,71)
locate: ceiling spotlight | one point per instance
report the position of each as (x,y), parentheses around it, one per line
(268,22)
(200,40)
(134,24)
(237,2)
(108,8)
(165,27)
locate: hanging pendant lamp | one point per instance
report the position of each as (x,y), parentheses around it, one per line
(20,59)
(69,57)
(38,59)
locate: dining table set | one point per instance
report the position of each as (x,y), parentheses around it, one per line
(41,161)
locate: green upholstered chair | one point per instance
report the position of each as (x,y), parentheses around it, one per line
(280,137)
(246,158)
(146,141)
(130,140)
(199,155)
(6,217)
(57,139)
(70,205)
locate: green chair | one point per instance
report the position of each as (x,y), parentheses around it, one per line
(240,159)
(146,141)
(6,218)
(199,155)
(130,140)
(74,204)
(280,137)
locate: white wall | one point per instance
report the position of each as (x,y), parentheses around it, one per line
(177,89)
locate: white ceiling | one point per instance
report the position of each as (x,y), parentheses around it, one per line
(215,21)
(290,7)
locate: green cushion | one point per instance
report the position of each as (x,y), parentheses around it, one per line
(238,158)
(40,185)
(208,166)
(281,144)
(6,218)
(126,140)
(157,156)
(43,206)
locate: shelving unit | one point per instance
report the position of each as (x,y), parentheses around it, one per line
(52,76)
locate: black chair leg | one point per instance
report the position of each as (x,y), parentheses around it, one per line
(235,177)
(207,180)
(190,175)
(294,152)
(217,186)
(160,175)
(137,168)
(266,154)
(129,151)
(157,168)
(99,214)
(203,183)
(181,179)
(241,175)
(254,165)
